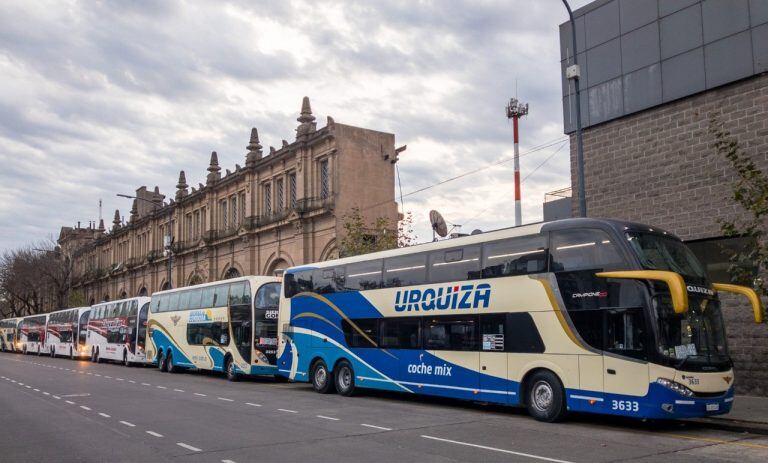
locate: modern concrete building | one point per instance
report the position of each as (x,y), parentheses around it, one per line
(653,72)
(279,210)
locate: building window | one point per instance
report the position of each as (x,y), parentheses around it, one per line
(197,224)
(715,254)
(325,186)
(242,207)
(292,190)
(189,231)
(268,199)
(223,209)
(280,192)
(235,218)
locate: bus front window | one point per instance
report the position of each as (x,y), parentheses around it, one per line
(662,252)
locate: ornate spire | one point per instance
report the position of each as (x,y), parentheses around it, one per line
(101,225)
(213,169)
(181,187)
(307,120)
(254,149)
(116,220)
(135,210)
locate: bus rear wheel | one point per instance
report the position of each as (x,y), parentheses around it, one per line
(170,367)
(344,378)
(321,378)
(161,364)
(229,369)
(545,397)
(53,352)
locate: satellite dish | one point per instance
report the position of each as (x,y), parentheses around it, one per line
(438,224)
(476,231)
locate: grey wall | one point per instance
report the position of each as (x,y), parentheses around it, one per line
(636,54)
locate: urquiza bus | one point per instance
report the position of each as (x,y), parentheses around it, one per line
(32,334)
(117,330)
(67,333)
(8,333)
(228,326)
(583,315)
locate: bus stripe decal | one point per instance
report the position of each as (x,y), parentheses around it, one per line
(441,386)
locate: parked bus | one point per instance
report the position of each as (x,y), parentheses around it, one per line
(228,326)
(585,315)
(8,334)
(67,333)
(117,331)
(32,334)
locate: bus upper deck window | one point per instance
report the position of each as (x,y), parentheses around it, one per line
(583,250)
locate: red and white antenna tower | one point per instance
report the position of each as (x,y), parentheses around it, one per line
(516,110)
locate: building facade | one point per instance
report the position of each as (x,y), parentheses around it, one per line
(653,73)
(278,210)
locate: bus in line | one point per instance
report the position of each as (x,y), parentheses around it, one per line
(228,326)
(67,333)
(32,333)
(585,315)
(117,331)
(8,334)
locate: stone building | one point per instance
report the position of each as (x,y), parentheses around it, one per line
(280,209)
(652,74)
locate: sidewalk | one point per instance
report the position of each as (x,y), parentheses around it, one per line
(749,414)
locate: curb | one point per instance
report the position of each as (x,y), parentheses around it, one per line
(727,424)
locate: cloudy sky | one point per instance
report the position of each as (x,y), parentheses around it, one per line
(99,98)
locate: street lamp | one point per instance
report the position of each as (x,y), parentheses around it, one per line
(573,72)
(167,239)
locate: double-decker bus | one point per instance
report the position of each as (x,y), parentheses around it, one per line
(8,334)
(67,333)
(117,331)
(31,334)
(584,315)
(228,326)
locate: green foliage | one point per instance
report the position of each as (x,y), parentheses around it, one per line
(76,299)
(362,238)
(750,191)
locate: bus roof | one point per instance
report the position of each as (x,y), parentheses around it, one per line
(258,279)
(139,298)
(67,310)
(503,233)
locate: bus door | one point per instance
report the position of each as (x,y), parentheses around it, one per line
(265,312)
(241,318)
(82,329)
(494,384)
(141,335)
(625,360)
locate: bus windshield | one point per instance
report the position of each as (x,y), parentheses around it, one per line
(660,252)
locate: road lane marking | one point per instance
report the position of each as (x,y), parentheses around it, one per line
(252,404)
(179,390)
(161,387)
(145,384)
(36,390)
(56,397)
(494,449)
(327,417)
(225,399)
(108,377)
(46,393)
(128,424)
(132,381)
(227,461)
(715,441)
(28,386)
(376,427)
(201,395)
(105,415)
(153,433)
(286,410)
(120,379)
(69,402)
(85,408)
(188,447)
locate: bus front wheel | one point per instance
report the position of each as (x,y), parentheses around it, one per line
(344,378)
(321,377)
(545,397)
(161,364)
(230,371)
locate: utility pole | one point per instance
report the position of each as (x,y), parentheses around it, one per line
(516,110)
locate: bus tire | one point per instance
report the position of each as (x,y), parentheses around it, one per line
(125,359)
(169,366)
(53,352)
(98,357)
(344,378)
(93,355)
(71,354)
(321,377)
(161,364)
(229,370)
(545,397)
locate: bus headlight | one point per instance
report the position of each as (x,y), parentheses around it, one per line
(676,387)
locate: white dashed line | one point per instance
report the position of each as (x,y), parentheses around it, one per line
(376,427)
(161,387)
(85,408)
(120,379)
(286,410)
(145,384)
(153,433)
(493,449)
(327,417)
(188,447)
(96,374)
(225,399)
(28,386)
(201,395)
(252,404)
(69,402)
(128,424)
(36,390)
(179,390)
(56,397)
(227,461)
(46,393)
(108,377)
(132,381)
(105,415)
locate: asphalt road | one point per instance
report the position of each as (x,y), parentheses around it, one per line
(57,410)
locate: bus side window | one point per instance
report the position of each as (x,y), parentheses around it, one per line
(163,304)
(585,249)
(517,256)
(184,300)
(154,307)
(625,332)
(409,270)
(195,296)
(457,332)
(222,296)
(240,294)
(354,337)
(208,296)
(328,280)
(361,276)
(454,264)
(400,333)
(523,335)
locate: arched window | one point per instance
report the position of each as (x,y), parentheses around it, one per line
(92,301)
(165,286)
(278,267)
(195,279)
(143,291)
(123,295)
(106,298)
(231,272)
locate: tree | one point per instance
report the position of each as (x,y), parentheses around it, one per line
(362,238)
(750,191)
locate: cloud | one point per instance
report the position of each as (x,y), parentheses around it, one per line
(98,100)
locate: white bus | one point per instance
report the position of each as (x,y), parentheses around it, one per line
(32,334)
(67,333)
(588,315)
(117,330)
(228,326)
(9,329)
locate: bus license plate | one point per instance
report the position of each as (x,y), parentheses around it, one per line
(713,407)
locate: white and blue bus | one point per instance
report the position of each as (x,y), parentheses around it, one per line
(228,326)
(584,315)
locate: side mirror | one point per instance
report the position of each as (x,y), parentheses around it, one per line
(749,293)
(675,282)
